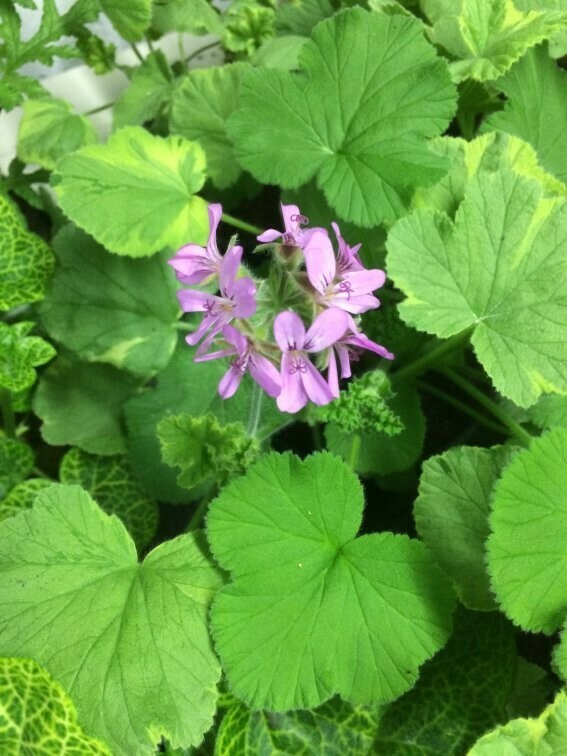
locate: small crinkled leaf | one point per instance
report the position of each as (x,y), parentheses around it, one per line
(527,550)
(364,407)
(451,516)
(128,641)
(136,193)
(488,36)
(130,18)
(497,269)
(150,90)
(461,693)
(545,736)
(186,387)
(16,463)
(203,449)
(536,109)
(312,610)
(381,454)
(194,16)
(21,496)
(334,729)
(49,129)
(358,124)
(110,482)
(248,24)
(25,259)
(20,354)
(201,105)
(80,404)
(111,309)
(38,717)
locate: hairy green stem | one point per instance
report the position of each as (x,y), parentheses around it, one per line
(427,361)
(137,53)
(242,225)
(202,50)
(255,411)
(8,417)
(200,512)
(99,109)
(462,407)
(515,428)
(183,325)
(354,451)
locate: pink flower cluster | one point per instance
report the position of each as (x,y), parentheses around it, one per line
(337,286)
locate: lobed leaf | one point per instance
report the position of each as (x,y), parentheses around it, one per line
(311,610)
(20,354)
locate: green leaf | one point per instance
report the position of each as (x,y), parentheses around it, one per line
(488,36)
(451,516)
(49,129)
(560,654)
(109,480)
(381,454)
(312,610)
(363,407)
(248,24)
(300,16)
(21,496)
(460,694)
(193,16)
(549,411)
(545,736)
(80,404)
(128,641)
(333,729)
(135,194)
(536,108)
(359,127)
(527,550)
(111,309)
(38,716)
(201,105)
(25,259)
(495,270)
(16,463)
(186,387)
(20,354)
(150,90)
(280,52)
(130,18)
(203,449)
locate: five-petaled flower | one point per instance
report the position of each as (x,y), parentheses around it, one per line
(349,289)
(301,381)
(194,264)
(237,300)
(294,235)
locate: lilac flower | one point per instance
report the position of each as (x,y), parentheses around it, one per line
(294,235)
(237,300)
(301,381)
(350,290)
(192,263)
(347,257)
(349,347)
(247,359)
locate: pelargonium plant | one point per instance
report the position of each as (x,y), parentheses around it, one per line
(335,286)
(231,522)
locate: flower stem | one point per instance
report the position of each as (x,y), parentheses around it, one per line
(242,225)
(255,410)
(354,451)
(202,50)
(8,417)
(427,361)
(99,109)
(137,53)
(182,325)
(515,428)
(462,407)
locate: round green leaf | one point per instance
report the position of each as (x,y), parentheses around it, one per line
(38,717)
(312,610)
(527,551)
(357,122)
(20,354)
(128,641)
(135,194)
(451,515)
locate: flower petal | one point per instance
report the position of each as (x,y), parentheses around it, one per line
(365,281)
(289,331)
(292,396)
(265,374)
(363,342)
(320,260)
(215,213)
(290,215)
(355,304)
(243,296)
(193,300)
(269,236)
(229,267)
(328,327)
(237,339)
(192,269)
(315,385)
(332,374)
(344,358)
(230,382)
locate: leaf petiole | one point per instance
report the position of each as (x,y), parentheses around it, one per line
(427,361)
(242,225)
